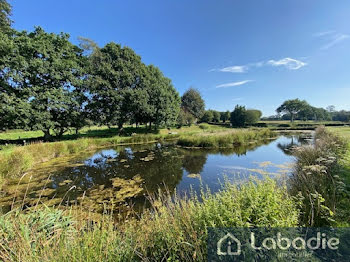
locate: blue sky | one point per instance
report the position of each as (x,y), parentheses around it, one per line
(253,53)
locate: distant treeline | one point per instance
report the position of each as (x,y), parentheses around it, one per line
(296,109)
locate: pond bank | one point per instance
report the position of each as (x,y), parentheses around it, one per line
(17,161)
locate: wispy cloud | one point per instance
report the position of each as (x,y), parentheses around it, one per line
(290,63)
(332,37)
(337,39)
(324,33)
(234,84)
(234,69)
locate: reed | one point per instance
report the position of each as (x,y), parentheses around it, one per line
(174,229)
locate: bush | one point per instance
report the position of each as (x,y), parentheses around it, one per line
(204,126)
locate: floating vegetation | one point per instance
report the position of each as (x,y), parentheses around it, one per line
(194,175)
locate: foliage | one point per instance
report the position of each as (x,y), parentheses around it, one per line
(225,116)
(185,118)
(216,116)
(315,181)
(292,107)
(252,116)
(174,229)
(207,116)
(193,102)
(41,75)
(5,12)
(238,116)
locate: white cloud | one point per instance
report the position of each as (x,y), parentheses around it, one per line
(234,83)
(335,40)
(234,69)
(289,63)
(324,33)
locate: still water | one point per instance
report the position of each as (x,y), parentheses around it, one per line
(111,178)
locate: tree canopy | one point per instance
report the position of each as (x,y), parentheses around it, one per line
(193,102)
(292,107)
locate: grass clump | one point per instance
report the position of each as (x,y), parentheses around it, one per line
(173,230)
(230,138)
(316,179)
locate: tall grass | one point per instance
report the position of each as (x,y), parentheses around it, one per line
(173,230)
(316,181)
(225,139)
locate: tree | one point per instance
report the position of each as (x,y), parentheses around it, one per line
(342,115)
(164,100)
(185,118)
(123,89)
(192,101)
(252,116)
(224,116)
(306,113)
(42,71)
(207,116)
(292,107)
(5,12)
(216,116)
(115,72)
(238,116)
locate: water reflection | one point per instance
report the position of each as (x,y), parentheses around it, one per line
(294,141)
(112,179)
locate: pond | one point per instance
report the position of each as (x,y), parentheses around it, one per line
(113,179)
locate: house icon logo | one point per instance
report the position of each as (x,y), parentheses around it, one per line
(228,240)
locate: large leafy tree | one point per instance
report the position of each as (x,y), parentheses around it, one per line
(292,107)
(252,116)
(164,100)
(115,73)
(123,89)
(41,75)
(193,102)
(238,116)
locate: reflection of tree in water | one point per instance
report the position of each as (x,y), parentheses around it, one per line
(194,160)
(295,141)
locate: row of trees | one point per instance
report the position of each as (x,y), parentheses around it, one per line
(296,109)
(239,117)
(47,83)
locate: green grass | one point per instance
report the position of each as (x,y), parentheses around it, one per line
(173,230)
(343,217)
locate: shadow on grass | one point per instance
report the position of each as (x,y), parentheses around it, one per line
(90,133)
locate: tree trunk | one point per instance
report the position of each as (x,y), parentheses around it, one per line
(47,136)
